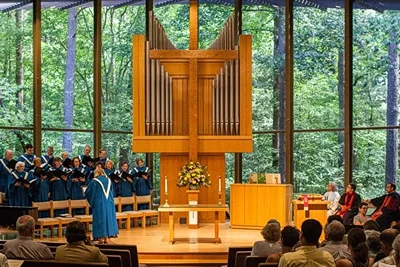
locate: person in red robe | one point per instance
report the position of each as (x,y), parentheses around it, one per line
(387,207)
(349,204)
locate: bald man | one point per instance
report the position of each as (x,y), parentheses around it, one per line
(23,247)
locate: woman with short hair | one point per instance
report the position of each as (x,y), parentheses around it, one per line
(270,245)
(333,197)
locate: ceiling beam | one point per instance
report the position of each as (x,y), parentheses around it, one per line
(311,4)
(127,3)
(16,6)
(168,2)
(76,4)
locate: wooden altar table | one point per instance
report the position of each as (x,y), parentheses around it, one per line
(216,208)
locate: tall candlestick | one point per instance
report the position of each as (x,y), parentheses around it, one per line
(219,183)
(166,184)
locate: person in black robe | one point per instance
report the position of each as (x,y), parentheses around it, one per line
(349,204)
(387,207)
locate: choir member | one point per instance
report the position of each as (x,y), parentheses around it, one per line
(86,153)
(100,195)
(18,186)
(65,160)
(48,157)
(387,207)
(125,185)
(59,184)
(75,182)
(5,169)
(40,186)
(349,204)
(102,157)
(112,174)
(28,157)
(142,184)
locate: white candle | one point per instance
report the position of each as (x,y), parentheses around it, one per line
(166,184)
(219,183)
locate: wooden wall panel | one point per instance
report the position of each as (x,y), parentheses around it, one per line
(205,106)
(179,104)
(170,165)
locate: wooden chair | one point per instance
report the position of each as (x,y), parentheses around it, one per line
(131,214)
(121,216)
(240,258)
(81,204)
(253,261)
(232,254)
(42,222)
(59,205)
(148,213)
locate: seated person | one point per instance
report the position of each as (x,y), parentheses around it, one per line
(78,248)
(308,254)
(361,217)
(334,236)
(23,247)
(272,234)
(396,248)
(387,207)
(290,236)
(374,245)
(356,242)
(333,197)
(3,260)
(349,204)
(387,255)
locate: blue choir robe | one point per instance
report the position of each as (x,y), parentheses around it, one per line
(100,195)
(75,189)
(28,160)
(19,195)
(115,185)
(126,190)
(142,186)
(59,191)
(40,191)
(45,159)
(88,174)
(103,161)
(4,174)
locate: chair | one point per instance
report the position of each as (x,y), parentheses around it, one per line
(240,258)
(81,204)
(147,213)
(232,254)
(42,222)
(121,216)
(63,204)
(131,214)
(253,261)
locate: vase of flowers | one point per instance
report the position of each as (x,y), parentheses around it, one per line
(193,175)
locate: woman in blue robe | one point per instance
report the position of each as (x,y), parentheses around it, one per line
(126,186)
(19,192)
(59,184)
(75,181)
(109,170)
(100,195)
(142,185)
(40,187)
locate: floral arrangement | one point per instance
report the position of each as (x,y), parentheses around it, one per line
(194,175)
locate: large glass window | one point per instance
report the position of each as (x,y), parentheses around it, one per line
(14,140)
(57,139)
(16,68)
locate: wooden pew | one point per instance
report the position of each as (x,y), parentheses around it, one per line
(232,254)
(53,263)
(253,261)
(241,258)
(124,254)
(132,249)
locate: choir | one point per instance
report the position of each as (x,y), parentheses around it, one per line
(31,178)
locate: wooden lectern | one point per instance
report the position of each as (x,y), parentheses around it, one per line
(317,209)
